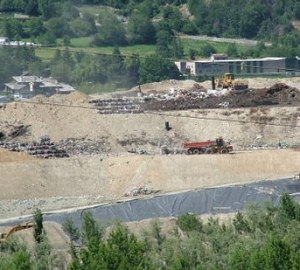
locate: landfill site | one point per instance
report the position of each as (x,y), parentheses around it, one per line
(69,152)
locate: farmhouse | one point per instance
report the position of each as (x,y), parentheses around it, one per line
(29,86)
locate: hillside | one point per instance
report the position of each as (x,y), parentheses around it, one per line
(108,159)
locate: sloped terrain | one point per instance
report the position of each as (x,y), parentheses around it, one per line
(119,156)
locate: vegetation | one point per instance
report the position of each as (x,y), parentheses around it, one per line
(263,237)
(139,29)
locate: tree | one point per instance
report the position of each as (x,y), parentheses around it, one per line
(207,50)
(58,27)
(240,223)
(232,50)
(287,206)
(140,29)
(46,8)
(164,39)
(12,28)
(276,253)
(188,223)
(192,54)
(132,69)
(155,68)
(111,32)
(123,250)
(32,8)
(253,14)
(39,228)
(35,27)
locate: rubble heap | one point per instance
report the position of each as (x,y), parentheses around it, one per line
(75,146)
(118,105)
(43,149)
(197,97)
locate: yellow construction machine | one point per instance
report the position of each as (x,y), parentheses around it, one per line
(228,82)
(4,236)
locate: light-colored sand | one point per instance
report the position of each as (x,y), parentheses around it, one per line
(110,178)
(52,184)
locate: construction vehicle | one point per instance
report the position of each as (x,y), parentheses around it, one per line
(208,147)
(4,236)
(229,82)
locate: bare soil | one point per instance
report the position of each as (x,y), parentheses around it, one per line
(114,155)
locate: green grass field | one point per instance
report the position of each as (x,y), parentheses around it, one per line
(94,9)
(83,44)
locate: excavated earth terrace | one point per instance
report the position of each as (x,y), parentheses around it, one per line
(76,150)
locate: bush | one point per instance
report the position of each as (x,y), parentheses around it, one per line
(189,222)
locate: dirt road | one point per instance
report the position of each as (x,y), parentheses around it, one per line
(246,42)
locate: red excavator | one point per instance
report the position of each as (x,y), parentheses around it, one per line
(208,147)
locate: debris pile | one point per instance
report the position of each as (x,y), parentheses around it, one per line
(44,149)
(198,97)
(118,105)
(75,146)
(143,190)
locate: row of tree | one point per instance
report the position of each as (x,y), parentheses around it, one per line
(264,237)
(249,19)
(117,70)
(80,68)
(154,22)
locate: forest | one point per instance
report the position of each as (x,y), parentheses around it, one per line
(155,23)
(263,237)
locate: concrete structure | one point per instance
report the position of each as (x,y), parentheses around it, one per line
(21,87)
(4,40)
(256,66)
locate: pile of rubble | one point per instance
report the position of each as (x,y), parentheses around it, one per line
(82,147)
(118,105)
(143,190)
(43,149)
(197,97)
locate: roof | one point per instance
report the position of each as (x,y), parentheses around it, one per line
(239,60)
(4,39)
(27,79)
(66,88)
(47,84)
(15,86)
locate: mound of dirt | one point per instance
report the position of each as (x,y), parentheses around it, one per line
(278,94)
(77,96)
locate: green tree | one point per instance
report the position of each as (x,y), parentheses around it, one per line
(287,206)
(58,27)
(232,50)
(35,27)
(111,32)
(189,222)
(155,68)
(239,259)
(46,8)
(140,29)
(123,250)
(240,223)
(39,228)
(207,50)
(32,8)
(276,253)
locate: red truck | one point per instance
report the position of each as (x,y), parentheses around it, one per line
(208,147)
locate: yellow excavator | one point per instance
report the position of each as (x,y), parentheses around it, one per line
(229,82)
(4,236)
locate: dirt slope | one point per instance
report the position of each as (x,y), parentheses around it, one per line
(99,179)
(91,178)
